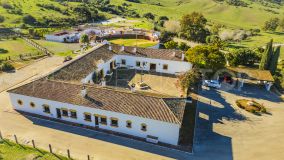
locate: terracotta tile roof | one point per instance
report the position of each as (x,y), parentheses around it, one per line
(166,54)
(253,74)
(167,110)
(79,68)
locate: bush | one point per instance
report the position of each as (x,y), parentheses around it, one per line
(2,19)
(6,66)
(28,19)
(251,106)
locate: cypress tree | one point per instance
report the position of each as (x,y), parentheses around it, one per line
(266,56)
(274,60)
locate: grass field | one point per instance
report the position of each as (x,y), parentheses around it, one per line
(132,42)
(16,47)
(12,151)
(61,49)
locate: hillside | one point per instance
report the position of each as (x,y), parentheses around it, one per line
(252,16)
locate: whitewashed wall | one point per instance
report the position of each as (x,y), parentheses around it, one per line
(55,38)
(174,67)
(166,132)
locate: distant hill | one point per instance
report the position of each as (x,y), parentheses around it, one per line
(252,16)
(221,11)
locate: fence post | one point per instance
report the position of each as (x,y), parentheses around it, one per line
(88,157)
(68,153)
(50,149)
(16,139)
(33,142)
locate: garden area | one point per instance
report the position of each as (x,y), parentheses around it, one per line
(12,151)
(251,106)
(133,42)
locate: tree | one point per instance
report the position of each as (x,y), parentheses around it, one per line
(6,66)
(243,56)
(206,56)
(274,60)
(266,56)
(84,39)
(163,18)
(216,41)
(281,24)
(172,26)
(215,28)
(183,46)
(193,26)
(149,16)
(271,24)
(171,45)
(2,19)
(189,79)
(28,19)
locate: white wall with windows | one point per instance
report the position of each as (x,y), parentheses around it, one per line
(161,66)
(128,124)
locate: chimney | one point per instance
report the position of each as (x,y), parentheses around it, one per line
(103,83)
(182,56)
(109,47)
(134,50)
(84,91)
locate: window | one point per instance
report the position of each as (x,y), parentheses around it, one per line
(73,114)
(20,102)
(138,63)
(128,124)
(123,61)
(64,112)
(32,104)
(165,67)
(46,108)
(103,120)
(143,127)
(87,117)
(114,122)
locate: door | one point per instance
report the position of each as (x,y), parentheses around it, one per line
(58,111)
(152,67)
(96,120)
(111,65)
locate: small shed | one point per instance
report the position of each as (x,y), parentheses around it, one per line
(253,75)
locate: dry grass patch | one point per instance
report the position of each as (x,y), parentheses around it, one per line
(251,106)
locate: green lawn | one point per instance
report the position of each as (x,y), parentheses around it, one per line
(16,47)
(261,40)
(132,42)
(12,151)
(61,49)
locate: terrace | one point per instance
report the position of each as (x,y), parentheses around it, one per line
(153,83)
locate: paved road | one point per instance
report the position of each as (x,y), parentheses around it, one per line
(36,69)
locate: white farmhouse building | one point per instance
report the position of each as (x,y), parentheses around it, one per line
(110,99)
(63,36)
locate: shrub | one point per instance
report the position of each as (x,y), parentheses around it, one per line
(2,19)
(28,19)
(251,106)
(6,66)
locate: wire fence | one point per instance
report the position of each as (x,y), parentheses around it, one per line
(32,143)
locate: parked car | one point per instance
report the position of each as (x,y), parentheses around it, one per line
(67,58)
(212,83)
(226,79)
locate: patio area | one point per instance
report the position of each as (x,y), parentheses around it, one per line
(153,82)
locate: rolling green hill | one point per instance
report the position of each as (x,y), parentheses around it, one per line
(252,16)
